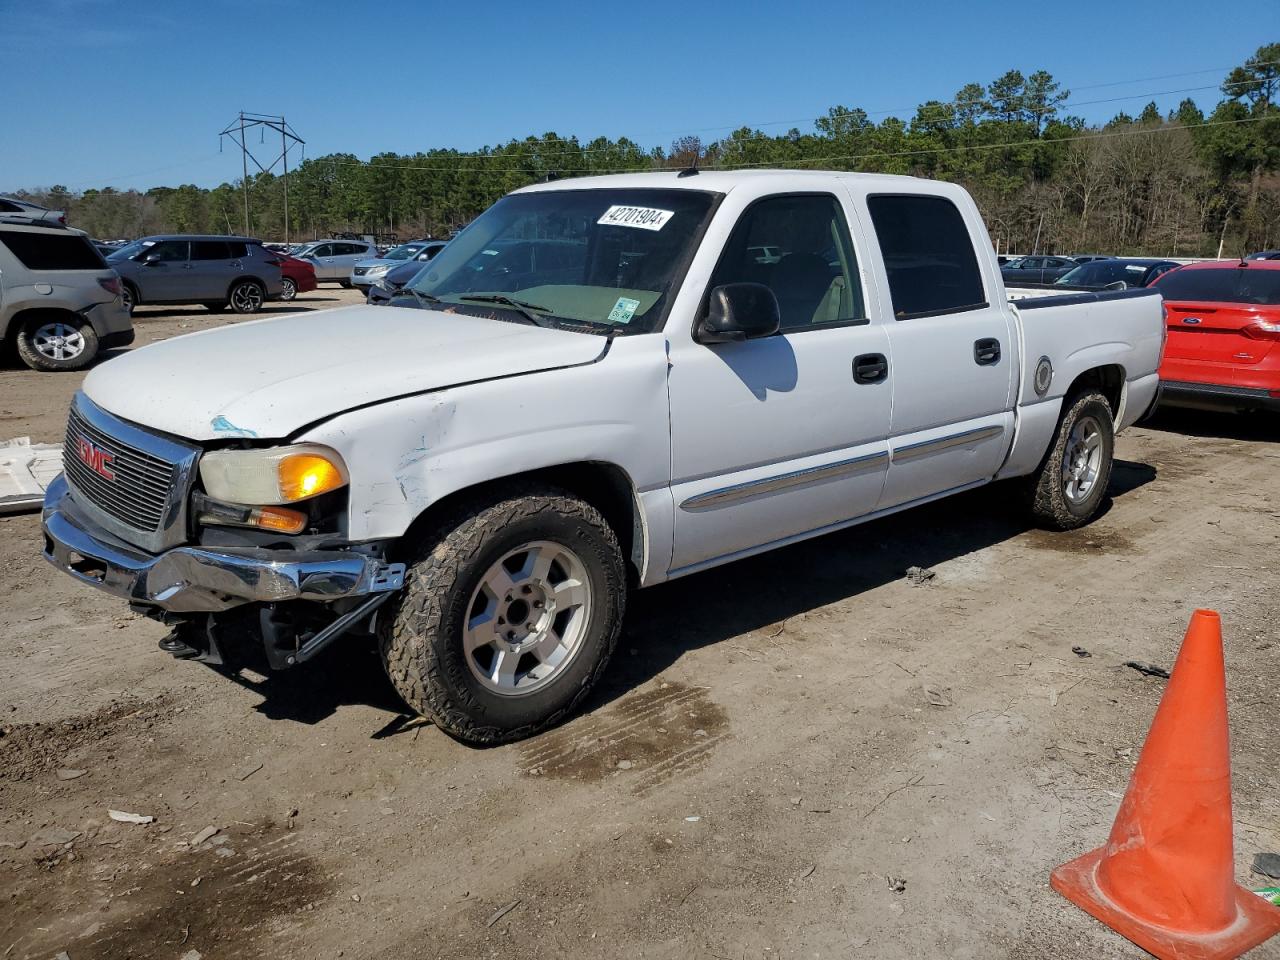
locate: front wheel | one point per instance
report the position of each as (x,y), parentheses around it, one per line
(247,297)
(1069,488)
(508,617)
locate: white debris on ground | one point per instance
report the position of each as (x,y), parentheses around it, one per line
(26,470)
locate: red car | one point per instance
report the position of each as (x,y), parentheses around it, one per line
(296,276)
(1223,349)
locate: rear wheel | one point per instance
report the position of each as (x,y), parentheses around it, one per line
(1071,484)
(247,296)
(288,289)
(509,616)
(55,343)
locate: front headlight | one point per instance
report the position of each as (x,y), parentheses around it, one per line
(271,476)
(377,271)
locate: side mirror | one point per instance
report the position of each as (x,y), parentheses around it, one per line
(740,311)
(151,259)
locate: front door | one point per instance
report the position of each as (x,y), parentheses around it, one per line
(785,435)
(954,354)
(165,272)
(326,266)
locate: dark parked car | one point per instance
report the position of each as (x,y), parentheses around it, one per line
(1131,271)
(1264,255)
(1035,269)
(391,282)
(215,271)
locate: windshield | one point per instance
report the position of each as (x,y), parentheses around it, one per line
(403,252)
(130,250)
(611,259)
(1223,285)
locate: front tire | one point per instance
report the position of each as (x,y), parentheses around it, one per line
(509,615)
(1068,490)
(54,344)
(247,296)
(129,296)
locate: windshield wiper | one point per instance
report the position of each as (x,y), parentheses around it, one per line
(519,306)
(425,300)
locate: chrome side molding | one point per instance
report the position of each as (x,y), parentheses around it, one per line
(785,481)
(925,448)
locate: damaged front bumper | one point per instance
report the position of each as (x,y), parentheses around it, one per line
(203,580)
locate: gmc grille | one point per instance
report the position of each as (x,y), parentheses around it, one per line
(142,486)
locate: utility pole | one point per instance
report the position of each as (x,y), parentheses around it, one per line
(235,131)
(244,177)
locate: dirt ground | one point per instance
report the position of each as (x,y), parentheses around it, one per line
(798,755)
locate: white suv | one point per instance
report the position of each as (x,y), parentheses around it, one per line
(59,301)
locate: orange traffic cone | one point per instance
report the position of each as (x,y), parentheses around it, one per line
(1165,877)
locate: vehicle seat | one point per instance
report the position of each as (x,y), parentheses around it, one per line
(801,282)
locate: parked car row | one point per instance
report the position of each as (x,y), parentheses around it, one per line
(1086,270)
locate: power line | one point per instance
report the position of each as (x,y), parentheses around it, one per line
(728,165)
(573,148)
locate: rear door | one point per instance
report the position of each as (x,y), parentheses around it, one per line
(953,350)
(211,270)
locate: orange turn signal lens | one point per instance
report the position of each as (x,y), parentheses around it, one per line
(279,519)
(303,475)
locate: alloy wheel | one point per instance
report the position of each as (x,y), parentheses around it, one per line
(58,341)
(527,618)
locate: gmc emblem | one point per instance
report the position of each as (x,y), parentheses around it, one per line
(95,458)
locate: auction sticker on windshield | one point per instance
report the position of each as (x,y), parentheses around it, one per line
(644,218)
(623,310)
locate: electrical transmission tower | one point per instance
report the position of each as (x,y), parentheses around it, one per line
(236,131)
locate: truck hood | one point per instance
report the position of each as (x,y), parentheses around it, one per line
(270,377)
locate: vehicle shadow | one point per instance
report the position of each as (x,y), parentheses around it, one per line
(667,621)
(1190,422)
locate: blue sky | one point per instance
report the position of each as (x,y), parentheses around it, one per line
(133,94)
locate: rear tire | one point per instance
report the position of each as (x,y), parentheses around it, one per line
(288,289)
(1071,484)
(217,307)
(247,296)
(56,343)
(508,617)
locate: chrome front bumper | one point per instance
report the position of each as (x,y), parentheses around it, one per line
(199,579)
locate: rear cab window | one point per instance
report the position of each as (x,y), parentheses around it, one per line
(49,250)
(928,255)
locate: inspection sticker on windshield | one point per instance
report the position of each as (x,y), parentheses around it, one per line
(644,218)
(623,310)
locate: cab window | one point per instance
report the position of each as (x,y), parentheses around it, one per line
(928,255)
(799,247)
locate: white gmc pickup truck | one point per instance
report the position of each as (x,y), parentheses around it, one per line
(599,385)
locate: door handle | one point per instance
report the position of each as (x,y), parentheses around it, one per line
(986,351)
(870,368)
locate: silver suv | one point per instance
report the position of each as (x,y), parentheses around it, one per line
(184,268)
(334,259)
(59,301)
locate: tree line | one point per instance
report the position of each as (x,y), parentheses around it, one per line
(1182,184)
